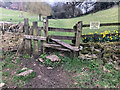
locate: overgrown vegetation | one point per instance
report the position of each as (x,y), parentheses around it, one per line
(11,67)
(92,74)
(88,73)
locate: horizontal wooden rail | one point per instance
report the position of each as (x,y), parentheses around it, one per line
(34,37)
(60,29)
(104,24)
(63,37)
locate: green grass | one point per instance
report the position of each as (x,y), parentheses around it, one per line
(105,16)
(90,73)
(87,73)
(11,65)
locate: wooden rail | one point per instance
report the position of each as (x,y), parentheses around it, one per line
(60,29)
(85,25)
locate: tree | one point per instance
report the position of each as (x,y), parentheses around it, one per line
(73,6)
(38,8)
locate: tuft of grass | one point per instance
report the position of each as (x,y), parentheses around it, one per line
(26,56)
(25,78)
(5,74)
(19,71)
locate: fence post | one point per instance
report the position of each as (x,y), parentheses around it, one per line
(78,34)
(27,32)
(45,26)
(40,17)
(45,33)
(35,42)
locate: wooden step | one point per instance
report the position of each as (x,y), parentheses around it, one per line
(66,45)
(55,46)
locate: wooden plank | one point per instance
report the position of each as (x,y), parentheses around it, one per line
(60,29)
(34,37)
(55,46)
(27,32)
(51,45)
(104,24)
(35,45)
(62,37)
(68,46)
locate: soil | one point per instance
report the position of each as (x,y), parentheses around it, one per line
(47,78)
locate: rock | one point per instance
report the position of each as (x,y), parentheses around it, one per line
(25,68)
(41,60)
(61,55)
(88,56)
(117,67)
(81,48)
(49,68)
(97,45)
(2,85)
(115,62)
(97,51)
(25,73)
(84,51)
(81,56)
(39,76)
(94,56)
(85,57)
(53,58)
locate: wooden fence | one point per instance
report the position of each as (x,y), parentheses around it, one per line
(33,34)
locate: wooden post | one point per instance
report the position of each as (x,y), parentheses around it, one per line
(45,33)
(78,34)
(45,26)
(27,32)
(40,17)
(35,42)
(39,34)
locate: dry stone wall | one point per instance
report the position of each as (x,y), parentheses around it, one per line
(108,52)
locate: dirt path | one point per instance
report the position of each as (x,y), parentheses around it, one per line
(47,78)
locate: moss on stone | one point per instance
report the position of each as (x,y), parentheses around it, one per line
(108,55)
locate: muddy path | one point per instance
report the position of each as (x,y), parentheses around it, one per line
(47,78)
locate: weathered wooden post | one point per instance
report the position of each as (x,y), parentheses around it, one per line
(35,45)
(45,26)
(45,33)
(78,36)
(40,17)
(27,32)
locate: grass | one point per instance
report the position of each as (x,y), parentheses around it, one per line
(104,16)
(90,74)
(11,67)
